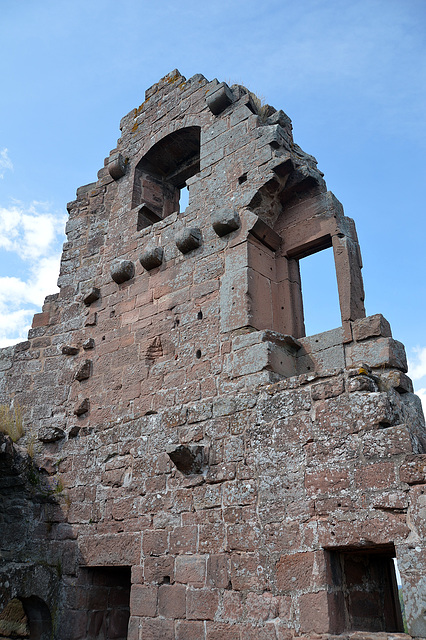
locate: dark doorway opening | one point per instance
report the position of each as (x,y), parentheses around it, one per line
(364,590)
(108,602)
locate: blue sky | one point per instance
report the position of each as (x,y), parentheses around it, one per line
(351,75)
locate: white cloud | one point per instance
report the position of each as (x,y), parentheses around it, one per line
(29,231)
(417,364)
(34,235)
(5,162)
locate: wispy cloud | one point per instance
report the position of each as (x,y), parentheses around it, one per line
(417,364)
(34,235)
(5,162)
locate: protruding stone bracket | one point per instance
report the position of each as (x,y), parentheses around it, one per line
(122,271)
(151,258)
(116,166)
(69,350)
(188,240)
(219,98)
(225,221)
(93,295)
(82,408)
(84,371)
(188,459)
(89,344)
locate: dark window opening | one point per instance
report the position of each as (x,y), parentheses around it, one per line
(161,175)
(364,591)
(321,308)
(108,602)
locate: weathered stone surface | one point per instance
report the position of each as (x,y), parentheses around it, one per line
(51,434)
(188,240)
(82,407)
(89,344)
(69,350)
(219,98)
(84,371)
(371,327)
(151,258)
(233,478)
(225,221)
(116,166)
(122,271)
(93,295)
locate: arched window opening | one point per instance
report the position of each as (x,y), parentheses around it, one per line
(161,175)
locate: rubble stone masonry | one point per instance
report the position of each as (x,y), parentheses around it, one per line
(193,467)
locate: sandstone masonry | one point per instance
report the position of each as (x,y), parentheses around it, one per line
(193,466)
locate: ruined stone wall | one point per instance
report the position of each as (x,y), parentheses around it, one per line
(209,472)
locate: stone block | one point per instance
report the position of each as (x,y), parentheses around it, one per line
(172,601)
(219,98)
(151,258)
(202,604)
(116,166)
(84,371)
(191,570)
(380,352)
(225,221)
(69,350)
(82,407)
(371,327)
(413,469)
(397,380)
(93,295)
(188,240)
(122,271)
(89,344)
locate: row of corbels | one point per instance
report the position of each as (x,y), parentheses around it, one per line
(218,99)
(187,240)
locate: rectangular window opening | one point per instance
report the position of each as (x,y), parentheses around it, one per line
(183,198)
(363,590)
(321,308)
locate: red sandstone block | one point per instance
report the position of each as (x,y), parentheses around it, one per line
(218,571)
(157,569)
(314,615)
(376,476)
(133,628)
(154,542)
(249,632)
(232,606)
(40,320)
(143,600)
(157,629)
(220,631)
(183,539)
(261,607)
(190,630)
(301,571)
(413,470)
(191,570)
(247,572)
(328,389)
(243,537)
(326,481)
(211,538)
(172,601)
(201,604)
